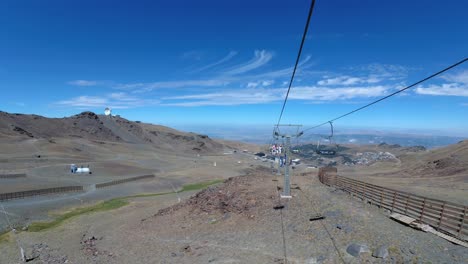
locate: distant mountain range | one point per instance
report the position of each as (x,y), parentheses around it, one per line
(263,134)
(402,140)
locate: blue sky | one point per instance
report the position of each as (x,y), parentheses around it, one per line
(228,62)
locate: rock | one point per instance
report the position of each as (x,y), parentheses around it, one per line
(186,249)
(345,228)
(32,253)
(314,260)
(356,249)
(380,252)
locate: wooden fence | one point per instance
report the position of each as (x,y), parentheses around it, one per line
(30,193)
(12,176)
(445,217)
(106,184)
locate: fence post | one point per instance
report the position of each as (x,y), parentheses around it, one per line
(406,205)
(381,198)
(422,211)
(441,216)
(393,203)
(462,221)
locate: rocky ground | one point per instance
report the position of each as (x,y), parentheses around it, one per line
(239,221)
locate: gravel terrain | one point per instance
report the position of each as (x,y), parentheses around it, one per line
(236,222)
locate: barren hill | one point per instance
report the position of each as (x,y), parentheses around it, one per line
(446,161)
(89,126)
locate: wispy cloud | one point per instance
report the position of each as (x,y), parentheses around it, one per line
(460,77)
(192,55)
(446,89)
(83,83)
(349,80)
(250,80)
(146,87)
(263,83)
(383,71)
(113,100)
(219,62)
(261,57)
(457,86)
(267,95)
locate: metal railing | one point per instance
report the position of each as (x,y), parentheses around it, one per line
(30,193)
(446,217)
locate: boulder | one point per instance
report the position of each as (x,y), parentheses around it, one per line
(356,249)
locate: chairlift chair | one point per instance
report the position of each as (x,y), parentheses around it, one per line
(327,150)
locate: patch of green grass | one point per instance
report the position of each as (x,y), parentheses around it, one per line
(106,206)
(198,186)
(146,195)
(4,237)
(103,206)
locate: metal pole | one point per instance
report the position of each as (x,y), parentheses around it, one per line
(287,182)
(278,172)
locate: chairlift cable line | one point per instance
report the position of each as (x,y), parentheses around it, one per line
(311,9)
(392,94)
(282,110)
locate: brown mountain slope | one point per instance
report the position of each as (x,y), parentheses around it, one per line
(85,125)
(446,161)
(90,126)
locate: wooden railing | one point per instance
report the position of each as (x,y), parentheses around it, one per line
(445,217)
(30,193)
(12,176)
(106,184)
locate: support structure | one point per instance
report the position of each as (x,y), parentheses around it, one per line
(287,161)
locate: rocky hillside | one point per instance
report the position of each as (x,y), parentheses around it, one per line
(446,161)
(89,126)
(84,125)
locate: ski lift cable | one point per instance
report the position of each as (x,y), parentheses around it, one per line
(311,9)
(390,95)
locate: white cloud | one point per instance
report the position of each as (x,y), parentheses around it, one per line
(83,83)
(113,100)
(228,57)
(247,96)
(146,87)
(460,77)
(252,84)
(264,95)
(349,80)
(261,57)
(286,72)
(330,94)
(387,70)
(446,89)
(262,83)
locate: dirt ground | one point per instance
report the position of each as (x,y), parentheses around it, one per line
(449,188)
(239,221)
